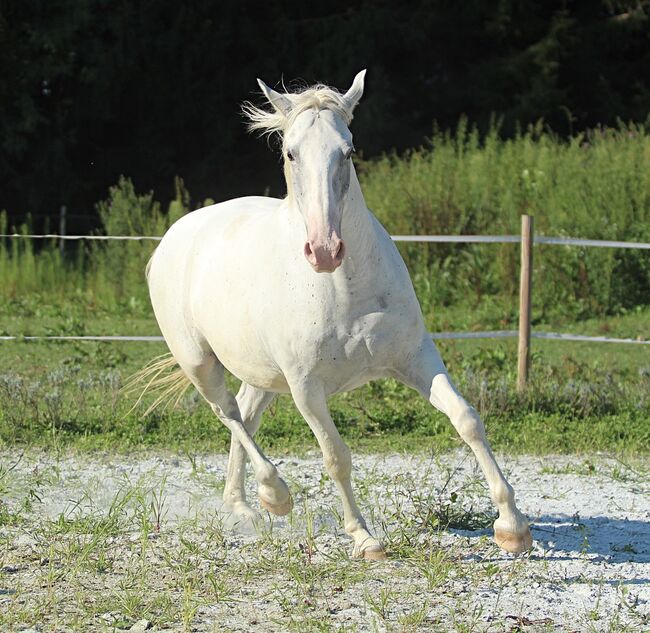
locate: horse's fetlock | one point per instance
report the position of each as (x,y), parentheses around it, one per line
(355,526)
(267,474)
(503,494)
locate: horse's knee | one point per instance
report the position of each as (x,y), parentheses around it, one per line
(469,425)
(338,462)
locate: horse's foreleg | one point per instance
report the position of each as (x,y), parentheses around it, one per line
(428,375)
(251,403)
(312,404)
(208,378)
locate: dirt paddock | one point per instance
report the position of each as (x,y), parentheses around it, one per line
(108,543)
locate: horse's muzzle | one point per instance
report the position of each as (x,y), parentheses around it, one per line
(326,256)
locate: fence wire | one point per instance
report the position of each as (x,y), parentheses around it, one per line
(451,239)
(434,335)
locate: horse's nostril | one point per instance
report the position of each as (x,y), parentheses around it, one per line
(308,250)
(340,251)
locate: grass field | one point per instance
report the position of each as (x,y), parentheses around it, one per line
(582,397)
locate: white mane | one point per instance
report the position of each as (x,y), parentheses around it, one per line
(318,97)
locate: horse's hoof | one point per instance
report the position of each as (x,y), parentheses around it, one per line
(241,514)
(279,509)
(276,499)
(513,543)
(375,551)
(374,554)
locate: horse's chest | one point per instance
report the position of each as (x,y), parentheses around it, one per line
(366,337)
(350,348)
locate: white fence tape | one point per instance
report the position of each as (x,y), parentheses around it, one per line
(465,239)
(591,339)
(556,336)
(148,339)
(570,241)
(490,334)
(134,238)
(434,335)
(452,239)
(506,239)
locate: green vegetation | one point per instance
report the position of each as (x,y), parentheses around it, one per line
(109,276)
(155,90)
(594,186)
(582,397)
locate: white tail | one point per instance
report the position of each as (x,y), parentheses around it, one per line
(156,377)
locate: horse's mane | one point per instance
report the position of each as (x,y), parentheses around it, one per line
(318,97)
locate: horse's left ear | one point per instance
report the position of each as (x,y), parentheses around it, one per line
(278,101)
(354,94)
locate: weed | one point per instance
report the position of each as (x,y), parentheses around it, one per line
(379,602)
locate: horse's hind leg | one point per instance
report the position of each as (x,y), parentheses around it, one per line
(312,404)
(251,403)
(208,377)
(428,375)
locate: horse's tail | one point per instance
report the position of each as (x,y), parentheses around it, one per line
(161,376)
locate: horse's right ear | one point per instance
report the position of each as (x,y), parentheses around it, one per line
(281,103)
(354,94)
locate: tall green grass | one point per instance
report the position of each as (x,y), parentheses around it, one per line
(98,274)
(57,395)
(595,185)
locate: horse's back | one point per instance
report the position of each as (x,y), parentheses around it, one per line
(201,231)
(217,217)
(196,277)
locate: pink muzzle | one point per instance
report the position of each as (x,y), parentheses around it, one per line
(325,255)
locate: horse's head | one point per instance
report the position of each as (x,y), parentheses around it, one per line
(317,146)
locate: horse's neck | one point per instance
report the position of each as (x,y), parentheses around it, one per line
(366,265)
(357,224)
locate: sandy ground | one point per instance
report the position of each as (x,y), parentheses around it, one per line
(589,569)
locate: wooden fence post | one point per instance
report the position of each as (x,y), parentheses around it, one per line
(525,287)
(62,228)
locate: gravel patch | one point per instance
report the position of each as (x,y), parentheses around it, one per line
(107,542)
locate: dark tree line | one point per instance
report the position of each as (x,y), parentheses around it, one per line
(91,89)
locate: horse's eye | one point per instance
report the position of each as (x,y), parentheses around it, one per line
(290,156)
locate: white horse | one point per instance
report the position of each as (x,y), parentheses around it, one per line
(236,286)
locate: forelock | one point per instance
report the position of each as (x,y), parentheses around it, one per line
(318,97)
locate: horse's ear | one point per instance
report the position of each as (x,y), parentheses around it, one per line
(281,103)
(354,94)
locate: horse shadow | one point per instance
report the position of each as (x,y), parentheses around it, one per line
(615,540)
(597,538)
